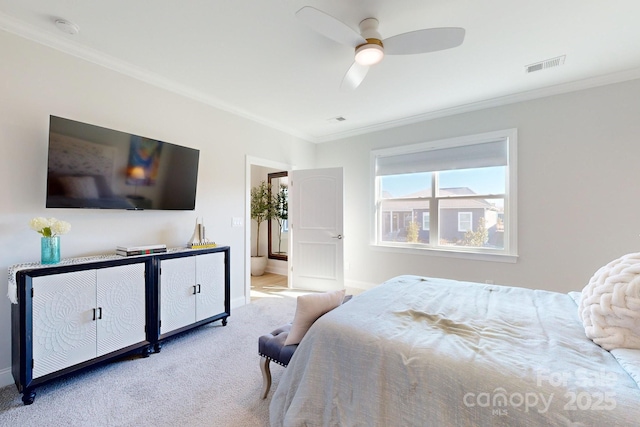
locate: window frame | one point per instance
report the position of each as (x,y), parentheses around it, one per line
(510,251)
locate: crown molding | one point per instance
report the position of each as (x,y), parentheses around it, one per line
(53,40)
(559,89)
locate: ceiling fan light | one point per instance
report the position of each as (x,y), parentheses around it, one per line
(369,54)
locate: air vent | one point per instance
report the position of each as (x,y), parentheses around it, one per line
(553,62)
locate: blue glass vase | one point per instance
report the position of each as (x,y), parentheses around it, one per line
(50,250)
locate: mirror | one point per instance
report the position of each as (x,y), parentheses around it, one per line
(279,226)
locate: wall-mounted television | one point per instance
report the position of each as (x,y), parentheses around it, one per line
(95,167)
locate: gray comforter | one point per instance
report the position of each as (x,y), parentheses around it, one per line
(418,351)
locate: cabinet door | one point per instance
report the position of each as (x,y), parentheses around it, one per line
(177,294)
(64,332)
(210,277)
(121,307)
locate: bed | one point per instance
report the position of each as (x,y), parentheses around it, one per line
(417,351)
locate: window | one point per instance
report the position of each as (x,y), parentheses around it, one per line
(456,196)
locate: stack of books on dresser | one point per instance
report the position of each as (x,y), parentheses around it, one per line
(140,250)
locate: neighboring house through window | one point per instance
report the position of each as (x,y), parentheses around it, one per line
(464,221)
(454,196)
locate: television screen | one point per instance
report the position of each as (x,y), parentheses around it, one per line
(95,167)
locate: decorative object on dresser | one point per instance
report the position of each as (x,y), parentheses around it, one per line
(51,229)
(113,306)
(199,239)
(141,250)
(50,250)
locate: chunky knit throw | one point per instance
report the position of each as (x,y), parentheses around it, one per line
(610,304)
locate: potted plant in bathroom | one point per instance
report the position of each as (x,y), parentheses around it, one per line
(262,209)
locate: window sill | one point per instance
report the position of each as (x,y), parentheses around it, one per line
(476,256)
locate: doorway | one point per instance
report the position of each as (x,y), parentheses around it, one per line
(277,270)
(317,227)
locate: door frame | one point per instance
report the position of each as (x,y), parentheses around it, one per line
(254,161)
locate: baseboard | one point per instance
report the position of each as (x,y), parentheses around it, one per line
(277,270)
(5,377)
(237,302)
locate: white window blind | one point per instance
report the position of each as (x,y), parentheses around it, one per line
(462,157)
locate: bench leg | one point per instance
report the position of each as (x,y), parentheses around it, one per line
(266,376)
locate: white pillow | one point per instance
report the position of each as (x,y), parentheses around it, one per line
(308,309)
(79,187)
(610,304)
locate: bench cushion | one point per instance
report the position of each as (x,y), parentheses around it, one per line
(272,345)
(309,308)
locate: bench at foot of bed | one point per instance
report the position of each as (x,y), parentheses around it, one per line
(271,347)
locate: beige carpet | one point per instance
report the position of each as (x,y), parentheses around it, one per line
(206,377)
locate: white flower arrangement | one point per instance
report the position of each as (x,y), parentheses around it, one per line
(49,227)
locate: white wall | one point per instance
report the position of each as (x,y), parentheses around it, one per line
(36,81)
(578,189)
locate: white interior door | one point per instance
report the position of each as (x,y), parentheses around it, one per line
(317,249)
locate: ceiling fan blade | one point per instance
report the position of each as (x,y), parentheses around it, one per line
(354,76)
(329,26)
(423,41)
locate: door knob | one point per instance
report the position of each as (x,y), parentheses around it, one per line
(339,237)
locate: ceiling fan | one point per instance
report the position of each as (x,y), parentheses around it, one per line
(369,46)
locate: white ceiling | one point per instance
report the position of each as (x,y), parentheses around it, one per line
(256,59)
